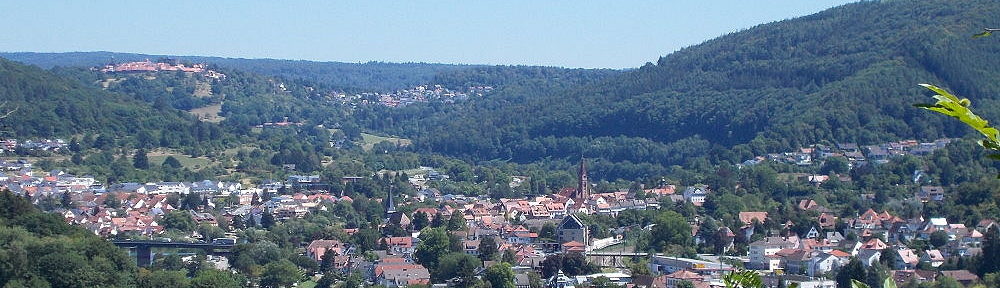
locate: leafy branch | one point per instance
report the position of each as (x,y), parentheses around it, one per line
(888,283)
(743,279)
(951,105)
(986,32)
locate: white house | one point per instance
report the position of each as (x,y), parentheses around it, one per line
(826,262)
(696,194)
(762,252)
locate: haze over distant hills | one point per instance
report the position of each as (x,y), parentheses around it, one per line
(846,77)
(847,74)
(377,76)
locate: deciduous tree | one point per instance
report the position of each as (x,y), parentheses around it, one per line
(434,243)
(500,276)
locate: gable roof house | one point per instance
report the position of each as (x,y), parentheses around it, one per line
(826,220)
(696,194)
(930,193)
(827,262)
(573,229)
(318,248)
(906,259)
(962,276)
(933,257)
(394,274)
(761,252)
(869,257)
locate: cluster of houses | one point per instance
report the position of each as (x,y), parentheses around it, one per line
(395,266)
(418,94)
(20,179)
(515,224)
(149,66)
(14,165)
(873,236)
(13,145)
(855,154)
(134,208)
(131,209)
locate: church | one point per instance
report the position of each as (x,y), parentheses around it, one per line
(573,230)
(576,198)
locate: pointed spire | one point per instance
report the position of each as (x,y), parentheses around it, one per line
(390,206)
(583,187)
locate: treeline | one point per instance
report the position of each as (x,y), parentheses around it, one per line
(108,131)
(358,77)
(44,105)
(848,74)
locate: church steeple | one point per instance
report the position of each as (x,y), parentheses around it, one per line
(583,187)
(390,206)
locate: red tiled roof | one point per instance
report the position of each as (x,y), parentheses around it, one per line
(685,275)
(839,253)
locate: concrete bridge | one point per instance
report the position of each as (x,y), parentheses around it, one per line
(144,249)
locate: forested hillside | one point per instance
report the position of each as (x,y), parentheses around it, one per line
(376,76)
(45,105)
(847,74)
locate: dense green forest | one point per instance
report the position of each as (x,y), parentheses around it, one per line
(847,74)
(40,250)
(46,105)
(110,131)
(371,76)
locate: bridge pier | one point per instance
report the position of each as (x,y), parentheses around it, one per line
(144,253)
(143,256)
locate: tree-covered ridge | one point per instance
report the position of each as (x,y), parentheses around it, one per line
(846,74)
(111,130)
(47,105)
(379,76)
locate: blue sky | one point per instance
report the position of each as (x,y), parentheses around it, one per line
(590,34)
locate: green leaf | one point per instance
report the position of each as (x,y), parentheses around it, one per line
(940,91)
(743,279)
(858,284)
(951,105)
(888,283)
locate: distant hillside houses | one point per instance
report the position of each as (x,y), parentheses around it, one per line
(418,94)
(202,187)
(855,154)
(149,66)
(49,184)
(874,232)
(15,146)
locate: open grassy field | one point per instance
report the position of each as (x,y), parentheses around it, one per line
(208,113)
(369,140)
(157,157)
(202,89)
(107,82)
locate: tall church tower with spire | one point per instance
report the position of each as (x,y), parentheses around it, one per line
(390,205)
(583,187)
